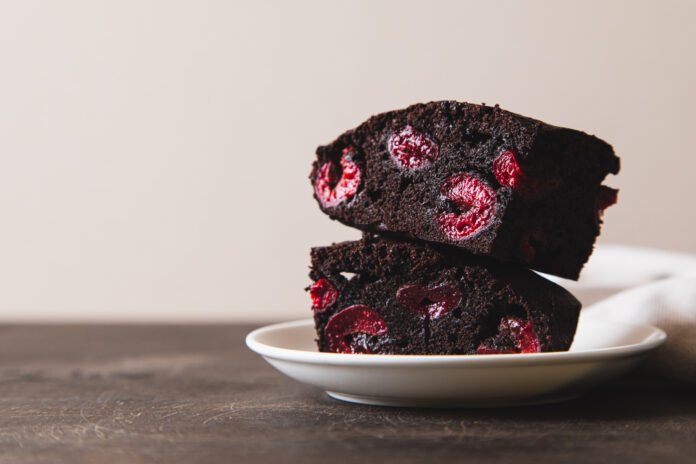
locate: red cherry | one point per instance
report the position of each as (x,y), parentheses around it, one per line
(334,185)
(345,325)
(429,302)
(411,149)
(323,295)
(509,173)
(474,198)
(520,331)
(507,169)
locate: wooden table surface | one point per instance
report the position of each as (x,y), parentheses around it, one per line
(195,394)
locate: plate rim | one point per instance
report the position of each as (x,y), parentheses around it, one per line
(653,340)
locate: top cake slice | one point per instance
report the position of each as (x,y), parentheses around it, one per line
(480,178)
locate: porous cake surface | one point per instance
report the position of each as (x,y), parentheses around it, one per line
(379,295)
(479,178)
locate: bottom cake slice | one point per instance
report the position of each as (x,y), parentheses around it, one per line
(383,296)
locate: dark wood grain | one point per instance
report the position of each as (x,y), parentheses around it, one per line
(195,394)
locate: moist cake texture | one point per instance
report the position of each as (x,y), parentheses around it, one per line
(379,295)
(474,177)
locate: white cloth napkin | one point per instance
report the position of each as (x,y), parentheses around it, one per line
(647,286)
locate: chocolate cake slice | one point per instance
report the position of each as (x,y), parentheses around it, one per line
(379,295)
(479,178)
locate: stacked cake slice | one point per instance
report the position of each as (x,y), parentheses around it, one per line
(457,201)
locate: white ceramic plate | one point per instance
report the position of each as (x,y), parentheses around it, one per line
(602,350)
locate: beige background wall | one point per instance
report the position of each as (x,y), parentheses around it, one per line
(154,155)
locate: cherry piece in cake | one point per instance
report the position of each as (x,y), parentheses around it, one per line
(348,330)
